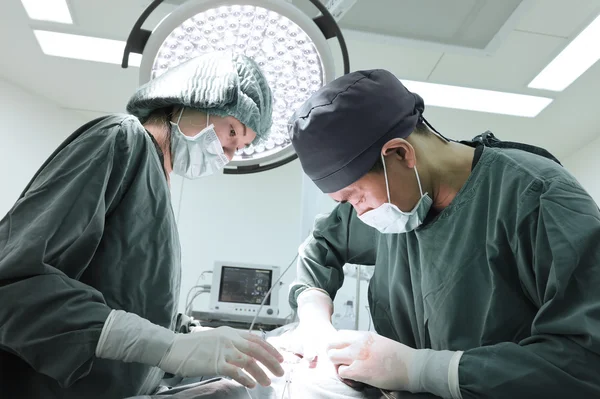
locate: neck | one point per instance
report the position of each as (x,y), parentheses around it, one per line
(450,172)
(161,135)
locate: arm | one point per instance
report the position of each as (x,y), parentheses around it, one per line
(556,243)
(557,239)
(50,319)
(337,239)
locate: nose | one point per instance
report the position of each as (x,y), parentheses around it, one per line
(229,153)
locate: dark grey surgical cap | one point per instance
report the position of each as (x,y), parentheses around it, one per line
(338,133)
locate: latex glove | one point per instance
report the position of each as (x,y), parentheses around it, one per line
(220,351)
(310,339)
(383,363)
(314,330)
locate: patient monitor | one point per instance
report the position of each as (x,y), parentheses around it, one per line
(239,289)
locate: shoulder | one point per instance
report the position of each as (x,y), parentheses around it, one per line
(541,181)
(518,168)
(114,136)
(115,128)
(529,165)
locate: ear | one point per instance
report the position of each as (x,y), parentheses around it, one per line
(402,150)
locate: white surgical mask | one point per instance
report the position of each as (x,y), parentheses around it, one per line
(198,156)
(388,218)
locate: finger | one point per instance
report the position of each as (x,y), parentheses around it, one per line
(342,356)
(267,346)
(349,373)
(238,375)
(343,338)
(252,368)
(258,349)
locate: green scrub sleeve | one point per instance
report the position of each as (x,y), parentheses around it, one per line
(558,253)
(336,239)
(49,317)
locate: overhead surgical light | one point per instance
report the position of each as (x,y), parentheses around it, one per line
(290,47)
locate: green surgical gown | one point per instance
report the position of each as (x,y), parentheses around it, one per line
(94,231)
(509,273)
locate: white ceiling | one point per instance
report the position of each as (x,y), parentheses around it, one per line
(467,23)
(526,35)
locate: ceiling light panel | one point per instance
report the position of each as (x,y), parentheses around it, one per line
(84,47)
(572,62)
(495,102)
(48,10)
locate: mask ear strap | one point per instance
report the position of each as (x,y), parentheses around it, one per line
(180,115)
(418,181)
(387,186)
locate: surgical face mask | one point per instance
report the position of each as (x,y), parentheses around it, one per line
(198,156)
(388,218)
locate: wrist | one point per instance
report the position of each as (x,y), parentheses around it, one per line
(129,338)
(315,305)
(435,372)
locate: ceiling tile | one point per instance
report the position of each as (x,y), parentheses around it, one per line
(469,23)
(559,17)
(520,58)
(371,53)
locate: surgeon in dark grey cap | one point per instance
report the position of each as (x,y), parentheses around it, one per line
(485,252)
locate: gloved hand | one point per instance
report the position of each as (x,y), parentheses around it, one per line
(219,351)
(310,339)
(222,351)
(314,330)
(383,363)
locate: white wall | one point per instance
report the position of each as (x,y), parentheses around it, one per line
(585,165)
(259,219)
(251,218)
(30,129)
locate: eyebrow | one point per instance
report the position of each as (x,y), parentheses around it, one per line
(346,195)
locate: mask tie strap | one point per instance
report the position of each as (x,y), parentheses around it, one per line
(207,118)
(180,115)
(387,186)
(418,181)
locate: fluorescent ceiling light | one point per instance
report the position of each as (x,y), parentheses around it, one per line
(495,102)
(572,62)
(84,47)
(48,10)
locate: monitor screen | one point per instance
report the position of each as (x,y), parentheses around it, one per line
(243,285)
